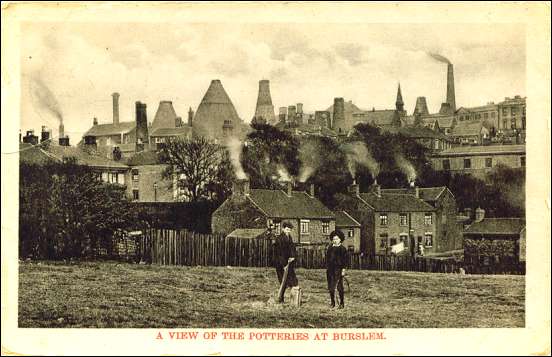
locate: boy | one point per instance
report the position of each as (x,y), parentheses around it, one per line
(336,261)
(284,254)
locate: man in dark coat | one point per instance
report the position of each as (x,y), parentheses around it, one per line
(284,254)
(336,261)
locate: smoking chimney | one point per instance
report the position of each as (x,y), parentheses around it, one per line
(289,187)
(354,189)
(451,99)
(338,123)
(311,190)
(61,130)
(30,138)
(240,190)
(115,108)
(64,141)
(264,111)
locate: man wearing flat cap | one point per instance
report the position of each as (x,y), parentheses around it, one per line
(284,254)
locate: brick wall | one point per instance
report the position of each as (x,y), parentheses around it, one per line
(147,176)
(448,235)
(351,242)
(393,229)
(478,167)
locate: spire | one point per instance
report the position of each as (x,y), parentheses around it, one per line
(399,105)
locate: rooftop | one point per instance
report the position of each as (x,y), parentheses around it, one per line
(426,193)
(247,233)
(379,117)
(144,158)
(276,203)
(111,129)
(497,226)
(395,202)
(343,219)
(180,131)
(42,154)
(467,128)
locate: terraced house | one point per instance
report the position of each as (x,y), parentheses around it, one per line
(412,216)
(262,208)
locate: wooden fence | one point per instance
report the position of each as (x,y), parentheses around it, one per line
(181,247)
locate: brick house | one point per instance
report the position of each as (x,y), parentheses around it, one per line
(350,228)
(262,208)
(412,216)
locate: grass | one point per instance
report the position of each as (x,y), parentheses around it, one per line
(106,294)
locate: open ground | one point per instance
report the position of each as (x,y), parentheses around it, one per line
(110,294)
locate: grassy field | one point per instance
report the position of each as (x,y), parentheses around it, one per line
(126,295)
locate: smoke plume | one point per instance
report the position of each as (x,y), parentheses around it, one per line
(357,154)
(283,173)
(309,156)
(439,58)
(406,167)
(234,146)
(45,98)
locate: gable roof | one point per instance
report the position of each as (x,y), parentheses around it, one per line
(34,154)
(276,203)
(392,202)
(497,226)
(426,193)
(44,154)
(343,219)
(467,128)
(111,129)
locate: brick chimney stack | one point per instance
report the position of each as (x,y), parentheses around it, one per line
(354,189)
(311,190)
(451,98)
(240,190)
(190,116)
(289,188)
(115,108)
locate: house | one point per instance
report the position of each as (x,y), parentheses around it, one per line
(350,228)
(249,233)
(470,133)
(490,241)
(262,208)
(412,216)
(478,160)
(432,139)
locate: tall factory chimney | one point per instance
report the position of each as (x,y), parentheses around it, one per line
(338,123)
(141,126)
(451,99)
(61,130)
(115,108)
(264,111)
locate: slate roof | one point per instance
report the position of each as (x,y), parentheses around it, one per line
(248,233)
(497,226)
(276,203)
(41,155)
(467,128)
(343,219)
(483,150)
(391,202)
(181,131)
(31,154)
(111,129)
(426,193)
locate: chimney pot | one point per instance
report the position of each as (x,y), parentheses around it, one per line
(288,188)
(95,121)
(354,188)
(311,189)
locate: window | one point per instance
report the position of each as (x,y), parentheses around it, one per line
(513,110)
(392,241)
(304,226)
(522,161)
(134,175)
(489,162)
(446,164)
(277,228)
(105,177)
(135,195)
(112,177)
(404,239)
(351,233)
(108,141)
(383,219)
(493,114)
(121,178)
(428,219)
(403,219)
(467,163)
(428,241)
(504,111)
(513,123)
(486,115)
(325,227)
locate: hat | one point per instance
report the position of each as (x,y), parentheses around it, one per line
(339,234)
(287,225)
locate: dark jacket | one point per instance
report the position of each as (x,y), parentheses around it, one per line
(336,257)
(284,248)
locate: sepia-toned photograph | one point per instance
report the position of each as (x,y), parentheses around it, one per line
(270,177)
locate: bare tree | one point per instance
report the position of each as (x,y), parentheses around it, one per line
(196,165)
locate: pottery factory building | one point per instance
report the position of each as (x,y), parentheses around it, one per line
(263,208)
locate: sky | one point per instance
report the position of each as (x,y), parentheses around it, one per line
(81,64)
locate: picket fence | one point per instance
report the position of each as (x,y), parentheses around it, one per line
(181,247)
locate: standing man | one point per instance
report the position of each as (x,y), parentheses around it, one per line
(336,261)
(284,254)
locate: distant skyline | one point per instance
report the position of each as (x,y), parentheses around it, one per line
(82,64)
